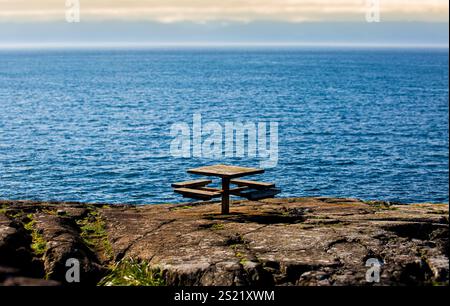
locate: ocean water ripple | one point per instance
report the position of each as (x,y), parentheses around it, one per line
(94,126)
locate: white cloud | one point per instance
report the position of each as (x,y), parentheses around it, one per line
(201,11)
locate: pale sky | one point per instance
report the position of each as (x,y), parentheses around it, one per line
(335,22)
(201,11)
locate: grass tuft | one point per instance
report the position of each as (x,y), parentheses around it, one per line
(130,272)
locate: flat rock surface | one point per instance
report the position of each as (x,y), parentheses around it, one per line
(298,241)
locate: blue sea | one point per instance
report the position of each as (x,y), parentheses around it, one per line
(94,125)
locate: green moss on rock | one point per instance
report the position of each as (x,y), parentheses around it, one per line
(38,243)
(93,233)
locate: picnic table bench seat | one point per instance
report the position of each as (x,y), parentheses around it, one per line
(190,184)
(198,193)
(251,190)
(253,184)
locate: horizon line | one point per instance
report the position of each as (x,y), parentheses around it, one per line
(155,45)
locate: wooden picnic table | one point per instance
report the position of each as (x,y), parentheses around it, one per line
(226,173)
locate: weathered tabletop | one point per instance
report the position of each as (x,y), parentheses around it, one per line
(225,171)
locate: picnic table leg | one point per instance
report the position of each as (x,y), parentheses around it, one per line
(225,196)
